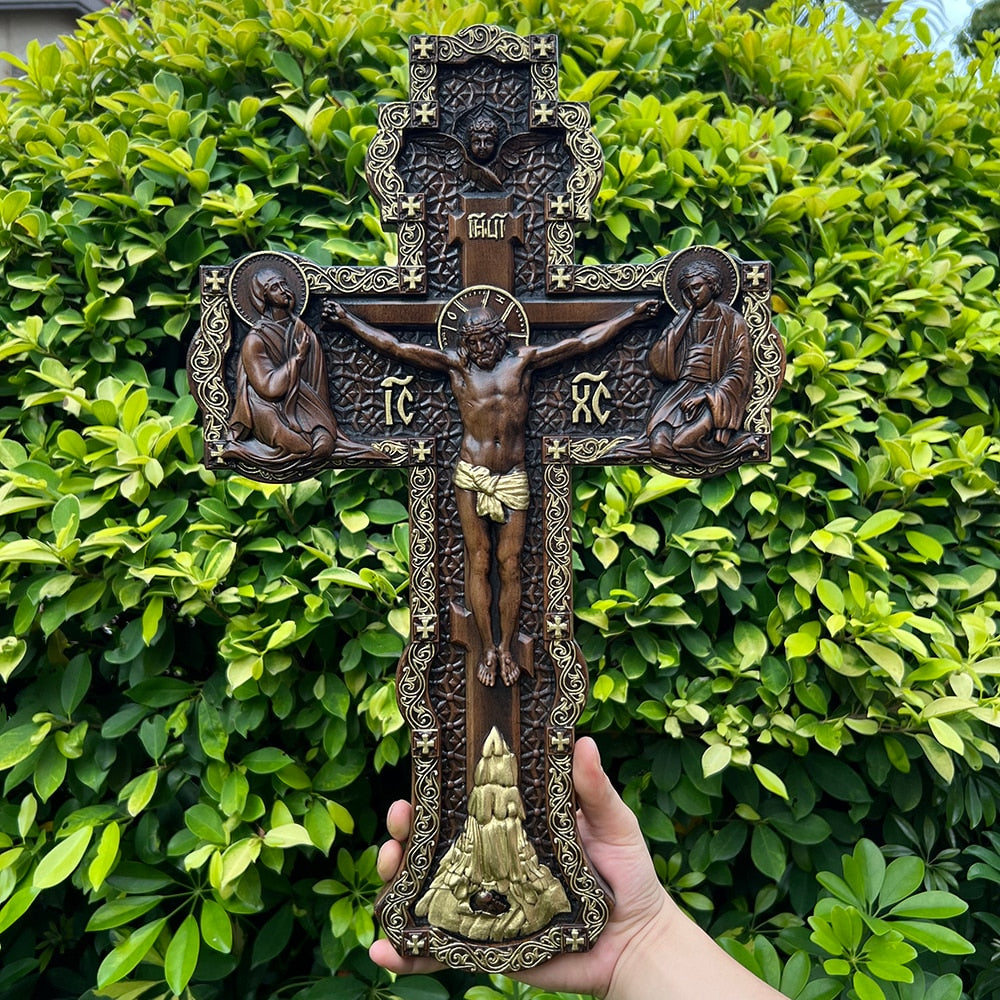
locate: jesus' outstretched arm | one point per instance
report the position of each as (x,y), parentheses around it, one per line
(593,337)
(429,358)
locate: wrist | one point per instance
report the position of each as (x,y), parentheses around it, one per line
(643,967)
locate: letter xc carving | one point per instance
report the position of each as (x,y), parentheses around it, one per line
(488,363)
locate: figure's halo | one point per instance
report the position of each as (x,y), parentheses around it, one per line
(724,265)
(509,310)
(242,274)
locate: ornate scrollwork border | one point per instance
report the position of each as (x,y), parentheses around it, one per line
(207,356)
(588,157)
(394,905)
(768,350)
(380,161)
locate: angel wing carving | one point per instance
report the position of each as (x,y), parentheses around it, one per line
(488,166)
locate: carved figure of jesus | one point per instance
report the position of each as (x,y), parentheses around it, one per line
(491,382)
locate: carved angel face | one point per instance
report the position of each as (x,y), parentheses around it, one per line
(482,146)
(482,140)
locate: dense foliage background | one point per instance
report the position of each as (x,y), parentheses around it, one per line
(793,666)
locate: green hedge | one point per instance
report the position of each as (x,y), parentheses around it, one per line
(793,666)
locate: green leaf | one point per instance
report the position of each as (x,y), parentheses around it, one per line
(939,758)
(107,852)
(770,780)
(17,906)
(121,911)
(75,684)
(340,816)
(273,937)
(946,735)
(381,642)
(867,988)
(831,595)
(50,769)
(385,511)
(934,937)
(159,692)
(140,791)
(26,815)
(12,651)
(878,524)
(865,870)
(606,550)
(267,760)
(931,905)
(127,955)
(216,927)
(288,835)
(204,822)
(716,758)
(61,861)
(319,823)
(902,877)
(796,974)
(18,743)
(768,852)
(287,67)
(152,614)
(117,308)
(238,857)
(420,988)
(182,955)
(800,644)
(211,733)
(153,736)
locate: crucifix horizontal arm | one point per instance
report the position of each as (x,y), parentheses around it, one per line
(593,337)
(429,358)
(576,312)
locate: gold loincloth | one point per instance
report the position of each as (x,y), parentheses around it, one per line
(494,492)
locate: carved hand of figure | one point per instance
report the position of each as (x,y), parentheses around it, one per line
(648,308)
(334,312)
(301,345)
(692,403)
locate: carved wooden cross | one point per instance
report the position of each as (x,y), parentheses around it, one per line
(488,362)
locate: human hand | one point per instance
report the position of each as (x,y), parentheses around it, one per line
(649,950)
(301,343)
(611,836)
(648,308)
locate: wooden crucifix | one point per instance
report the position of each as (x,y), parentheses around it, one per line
(489,363)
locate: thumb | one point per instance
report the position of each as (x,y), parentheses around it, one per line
(606,815)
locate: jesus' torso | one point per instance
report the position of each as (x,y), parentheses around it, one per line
(493,405)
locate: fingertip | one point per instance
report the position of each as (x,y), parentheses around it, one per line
(589,780)
(602,807)
(398,819)
(382,953)
(390,856)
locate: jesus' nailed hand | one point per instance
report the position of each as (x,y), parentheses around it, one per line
(491,381)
